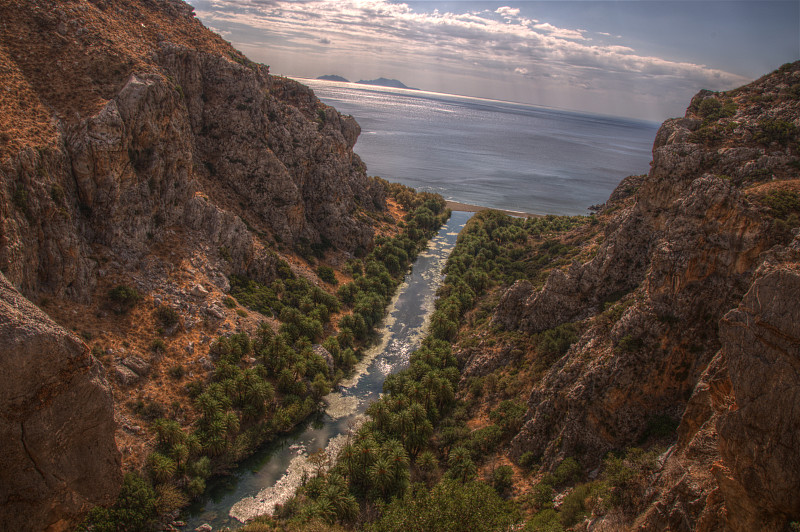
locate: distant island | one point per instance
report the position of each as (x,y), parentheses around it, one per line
(381,82)
(384,82)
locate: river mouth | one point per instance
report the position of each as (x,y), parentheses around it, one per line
(274,472)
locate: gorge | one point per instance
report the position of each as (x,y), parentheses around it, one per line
(192,257)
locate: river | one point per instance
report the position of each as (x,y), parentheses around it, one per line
(273,473)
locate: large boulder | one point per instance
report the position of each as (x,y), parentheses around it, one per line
(59,457)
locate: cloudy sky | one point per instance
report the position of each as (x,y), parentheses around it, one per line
(641,59)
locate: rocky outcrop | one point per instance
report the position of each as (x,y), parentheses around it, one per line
(682,248)
(171,127)
(139,148)
(759,432)
(56,422)
(734,466)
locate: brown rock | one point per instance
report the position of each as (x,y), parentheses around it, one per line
(759,433)
(56,422)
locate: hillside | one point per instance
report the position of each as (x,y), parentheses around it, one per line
(147,171)
(632,370)
(671,325)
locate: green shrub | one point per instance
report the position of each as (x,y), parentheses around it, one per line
(167,316)
(135,509)
(779,131)
(546,520)
(502,479)
(124,298)
(176,372)
(158,346)
(449,507)
(508,416)
(554,343)
(782,203)
(528,460)
(580,501)
(567,472)
(327,274)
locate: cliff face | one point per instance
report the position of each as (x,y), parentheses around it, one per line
(124,119)
(694,239)
(138,148)
(57,424)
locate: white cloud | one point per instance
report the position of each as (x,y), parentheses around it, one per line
(507,12)
(561,33)
(439,44)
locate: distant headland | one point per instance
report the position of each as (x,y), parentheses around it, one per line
(381,82)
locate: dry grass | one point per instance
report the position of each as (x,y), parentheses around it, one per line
(91,48)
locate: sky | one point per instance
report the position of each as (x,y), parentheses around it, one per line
(639,59)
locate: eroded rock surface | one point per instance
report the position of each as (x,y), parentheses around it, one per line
(56,422)
(689,312)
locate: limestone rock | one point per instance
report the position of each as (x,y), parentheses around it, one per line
(759,432)
(685,245)
(199,291)
(125,375)
(183,137)
(137,365)
(57,423)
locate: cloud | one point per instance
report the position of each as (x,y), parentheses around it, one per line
(561,33)
(479,43)
(507,12)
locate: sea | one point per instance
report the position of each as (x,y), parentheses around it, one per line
(491,153)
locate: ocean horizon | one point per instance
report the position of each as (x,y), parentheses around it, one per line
(503,155)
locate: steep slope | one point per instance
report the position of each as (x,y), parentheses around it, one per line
(128,118)
(144,165)
(700,235)
(57,424)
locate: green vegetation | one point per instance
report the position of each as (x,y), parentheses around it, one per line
(122,298)
(621,486)
(779,131)
(784,207)
(326,274)
(712,109)
(135,509)
(166,316)
(243,405)
(450,506)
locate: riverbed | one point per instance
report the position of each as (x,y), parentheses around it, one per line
(272,475)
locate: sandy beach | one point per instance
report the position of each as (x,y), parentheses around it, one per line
(466,207)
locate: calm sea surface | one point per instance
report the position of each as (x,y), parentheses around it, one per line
(485,152)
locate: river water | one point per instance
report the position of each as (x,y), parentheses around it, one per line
(271,476)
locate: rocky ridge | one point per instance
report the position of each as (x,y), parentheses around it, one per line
(139,149)
(688,314)
(177,131)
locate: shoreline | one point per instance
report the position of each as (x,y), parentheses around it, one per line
(467,207)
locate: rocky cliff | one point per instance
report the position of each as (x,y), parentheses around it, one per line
(124,119)
(56,422)
(139,150)
(688,313)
